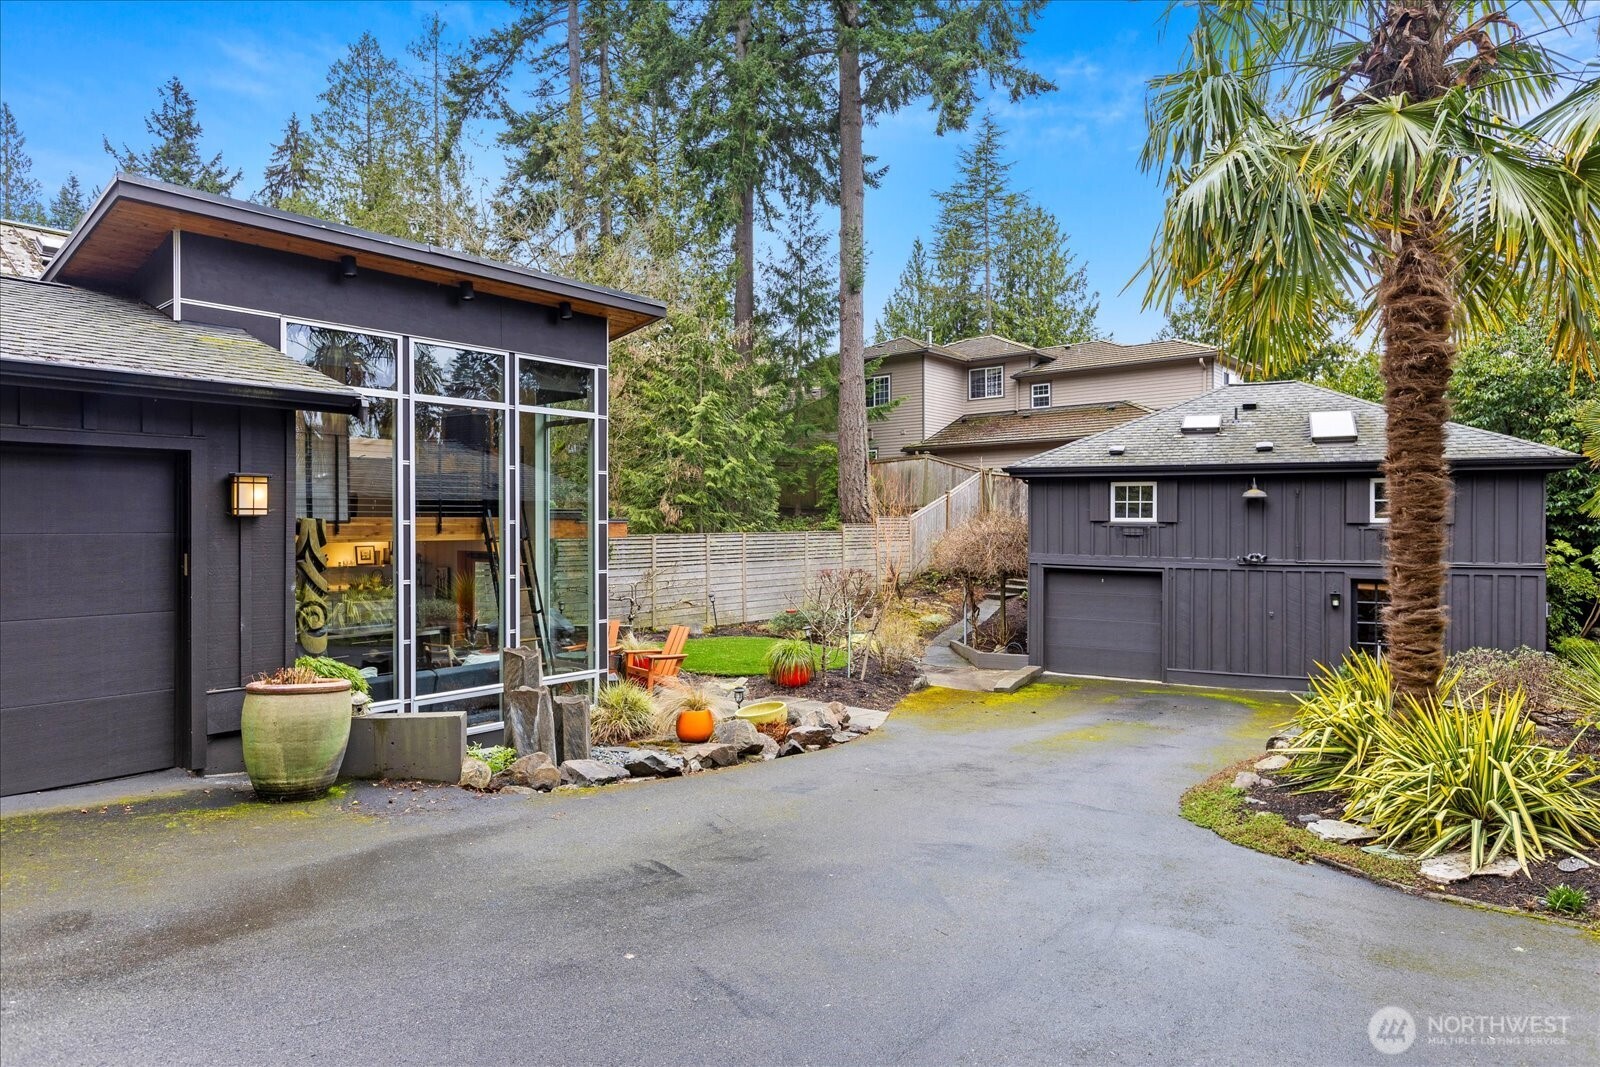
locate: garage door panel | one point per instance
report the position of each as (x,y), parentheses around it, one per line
(78,574)
(85,658)
(1104,623)
(83,487)
(50,745)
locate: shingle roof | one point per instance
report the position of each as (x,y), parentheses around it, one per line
(46,325)
(909,346)
(1093,355)
(1281,417)
(1027,427)
(989,346)
(23,250)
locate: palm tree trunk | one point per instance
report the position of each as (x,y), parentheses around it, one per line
(1418,307)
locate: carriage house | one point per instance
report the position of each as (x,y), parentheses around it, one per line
(232,435)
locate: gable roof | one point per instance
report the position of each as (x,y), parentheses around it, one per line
(1043,426)
(1157,443)
(134,215)
(1099,355)
(63,335)
(989,346)
(910,346)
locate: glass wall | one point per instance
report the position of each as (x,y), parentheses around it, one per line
(467,485)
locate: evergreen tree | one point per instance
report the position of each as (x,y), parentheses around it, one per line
(973,213)
(175,156)
(69,204)
(288,182)
(448,215)
(19,193)
(1044,295)
(912,308)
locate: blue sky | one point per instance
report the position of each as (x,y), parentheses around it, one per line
(250,64)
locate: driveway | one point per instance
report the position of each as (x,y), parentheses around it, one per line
(1000,879)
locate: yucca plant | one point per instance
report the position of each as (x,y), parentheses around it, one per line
(1336,721)
(623,712)
(1473,775)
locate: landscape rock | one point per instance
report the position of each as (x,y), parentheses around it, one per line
(1308,818)
(791,748)
(824,716)
(1345,833)
(711,754)
(1244,780)
(521,769)
(1385,851)
(812,735)
(1280,741)
(840,713)
(591,772)
(475,774)
(1573,864)
(648,763)
(739,733)
(1272,763)
(1457,866)
(919,683)
(519,790)
(769,748)
(844,735)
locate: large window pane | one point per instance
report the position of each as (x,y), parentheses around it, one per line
(554,385)
(558,540)
(358,359)
(459,549)
(462,373)
(344,494)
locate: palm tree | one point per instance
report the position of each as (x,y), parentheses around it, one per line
(1432,163)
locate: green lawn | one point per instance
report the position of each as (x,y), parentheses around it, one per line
(732,657)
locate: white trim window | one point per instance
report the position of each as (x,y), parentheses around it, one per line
(986,383)
(1378,500)
(1039,395)
(1133,501)
(878,391)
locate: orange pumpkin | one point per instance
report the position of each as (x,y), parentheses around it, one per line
(695,725)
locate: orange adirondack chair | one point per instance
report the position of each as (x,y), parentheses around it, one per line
(651,669)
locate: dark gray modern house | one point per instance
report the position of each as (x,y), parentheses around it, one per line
(231,435)
(1237,539)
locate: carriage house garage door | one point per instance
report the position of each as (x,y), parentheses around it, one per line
(88,615)
(1104,623)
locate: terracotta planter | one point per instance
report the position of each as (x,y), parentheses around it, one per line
(793,678)
(295,736)
(696,725)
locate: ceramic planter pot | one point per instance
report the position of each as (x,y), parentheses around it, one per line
(696,725)
(764,711)
(295,736)
(792,677)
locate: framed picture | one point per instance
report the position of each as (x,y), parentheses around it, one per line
(366,555)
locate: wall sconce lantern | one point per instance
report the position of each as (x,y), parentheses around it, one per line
(1335,600)
(249,497)
(1255,492)
(564,310)
(464,291)
(347,266)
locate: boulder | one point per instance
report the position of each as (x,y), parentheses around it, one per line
(475,774)
(844,735)
(769,748)
(710,754)
(519,790)
(822,716)
(522,769)
(1344,833)
(739,733)
(1457,866)
(649,763)
(840,713)
(812,735)
(791,748)
(591,772)
(1272,763)
(1246,780)
(919,683)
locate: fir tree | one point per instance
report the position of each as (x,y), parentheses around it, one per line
(913,307)
(19,193)
(69,204)
(361,135)
(1045,296)
(973,222)
(288,182)
(175,156)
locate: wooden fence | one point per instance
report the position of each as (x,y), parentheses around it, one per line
(656,580)
(906,483)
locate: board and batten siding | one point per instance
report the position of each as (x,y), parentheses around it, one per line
(903,424)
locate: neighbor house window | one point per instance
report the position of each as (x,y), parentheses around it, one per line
(1380,500)
(983,383)
(1133,501)
(1371,597)
(877,391)
(1041,394)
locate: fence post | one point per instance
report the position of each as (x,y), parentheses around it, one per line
(654,540)
(744,576)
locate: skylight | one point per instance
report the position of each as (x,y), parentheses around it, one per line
(1202,424)
(1331,427)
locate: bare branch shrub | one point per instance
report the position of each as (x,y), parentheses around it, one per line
(985,551)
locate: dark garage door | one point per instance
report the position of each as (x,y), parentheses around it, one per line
(1103,622)
(88,615)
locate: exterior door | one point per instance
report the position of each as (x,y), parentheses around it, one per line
(1105,623)
(89,560)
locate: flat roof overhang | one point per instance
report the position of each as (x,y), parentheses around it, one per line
(172,387)
(135,214)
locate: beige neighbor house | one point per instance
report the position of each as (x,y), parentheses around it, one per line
(988,402)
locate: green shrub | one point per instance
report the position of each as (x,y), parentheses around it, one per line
(1565,900)
(1472,775)
(328,667)
(1583,681)
(498,757)
(623,712)
(1544,679)
(1337,721)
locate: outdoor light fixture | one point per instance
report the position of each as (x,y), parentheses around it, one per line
(1255,492)
(739,695)
(347,266)
(464,291)
(1335,600)
(564,310)
(249,499)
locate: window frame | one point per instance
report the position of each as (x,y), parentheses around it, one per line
(1369,595)
(999,375)
(1033,395)
(1155,504)
(1373,496)
(888,393)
